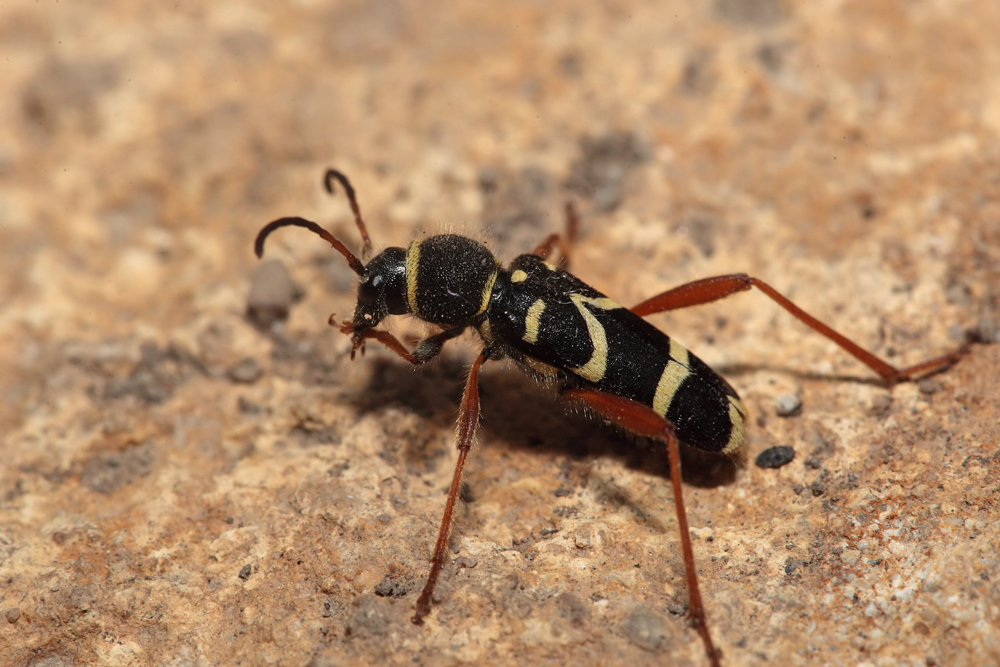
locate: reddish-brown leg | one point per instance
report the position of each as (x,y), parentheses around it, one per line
(426,349)
(564,241)
(468,420)
(641,420)
(719,287)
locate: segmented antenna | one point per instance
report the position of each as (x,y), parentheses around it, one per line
(355,263)
(328,179)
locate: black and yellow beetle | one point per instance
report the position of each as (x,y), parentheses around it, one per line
(559,329)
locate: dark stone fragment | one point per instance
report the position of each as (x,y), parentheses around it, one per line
(775,457)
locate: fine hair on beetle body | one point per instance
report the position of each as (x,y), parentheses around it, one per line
(601,356)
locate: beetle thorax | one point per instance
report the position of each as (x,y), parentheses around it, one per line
(449,279)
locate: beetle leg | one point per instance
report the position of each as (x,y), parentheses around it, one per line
(707,290)
(468,420)
(564,241)
(641,420)
(426,349)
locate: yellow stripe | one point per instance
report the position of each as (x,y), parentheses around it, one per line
(532,321)
(518,276)
(738,404)
(412,264)
(486,331)
(604,303)
(674,373)
(670,381)
(680,354)
(594,369)
(737,412)
(487,292)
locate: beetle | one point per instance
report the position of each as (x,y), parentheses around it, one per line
(558,329)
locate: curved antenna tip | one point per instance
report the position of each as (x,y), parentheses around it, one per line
(353,261)
(329,177)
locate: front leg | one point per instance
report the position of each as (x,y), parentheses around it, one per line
(468,421)
(426,349)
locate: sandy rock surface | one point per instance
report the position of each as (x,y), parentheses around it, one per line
(180,486)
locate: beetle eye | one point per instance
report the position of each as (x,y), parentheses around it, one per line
(376,281)
(367,293)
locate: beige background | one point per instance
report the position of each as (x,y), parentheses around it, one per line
(847,152)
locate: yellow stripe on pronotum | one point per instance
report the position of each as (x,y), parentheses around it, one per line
(412,265)
(487,293)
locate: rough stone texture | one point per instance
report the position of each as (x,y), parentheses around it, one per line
(155,509)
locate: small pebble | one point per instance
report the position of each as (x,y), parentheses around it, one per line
(787,405)
(927,386)
(880,405)
(986,331)
(775,457)
(246,372)
(645,629)
(248,407)
(391,587)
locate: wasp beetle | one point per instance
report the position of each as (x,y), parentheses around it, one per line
(557,328)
